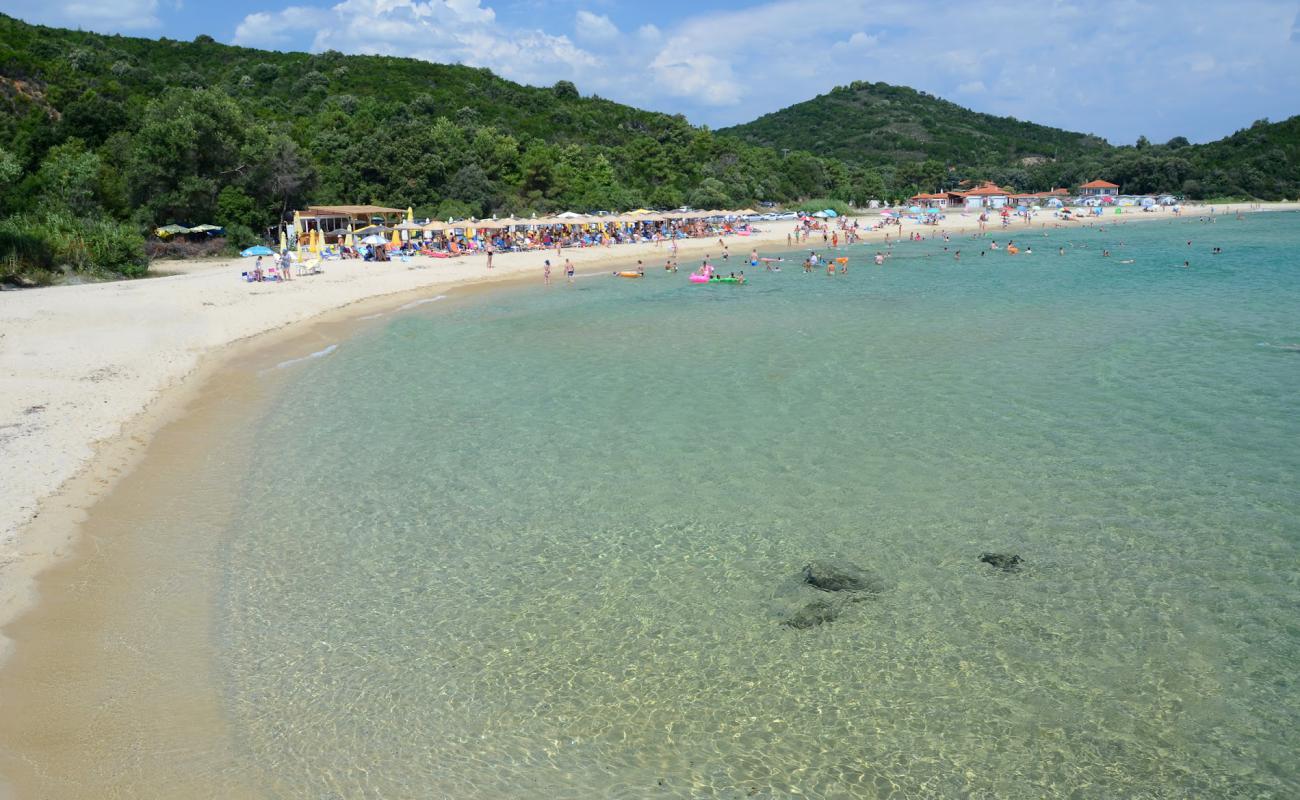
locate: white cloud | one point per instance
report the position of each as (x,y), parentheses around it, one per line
(594,27)
(1130,71)
(107,15)
(273,30)
(446,31)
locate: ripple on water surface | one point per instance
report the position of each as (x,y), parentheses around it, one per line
(540,544)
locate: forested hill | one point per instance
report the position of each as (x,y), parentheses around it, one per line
(917,139)
(104,137)
(887,125)
(141,132)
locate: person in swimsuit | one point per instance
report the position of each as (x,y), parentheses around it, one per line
(546,273)
(568,269)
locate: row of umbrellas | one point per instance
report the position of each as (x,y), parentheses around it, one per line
(314,240)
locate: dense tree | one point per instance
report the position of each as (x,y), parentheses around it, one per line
(101,131)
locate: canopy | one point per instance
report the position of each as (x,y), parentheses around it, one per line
(830,212)
(433,225)
(504,222)
(257,250)
(205,228)
(932,211)
(170,230)
(369,229)
(406,226)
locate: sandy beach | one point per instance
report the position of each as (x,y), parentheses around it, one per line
(80,362)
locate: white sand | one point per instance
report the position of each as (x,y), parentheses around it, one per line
(79,362)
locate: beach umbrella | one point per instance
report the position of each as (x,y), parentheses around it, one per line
(170,230)
(373,239)
(349,239)
(397,240)
(284,239)
(830,212)
(257,250)
(410,214)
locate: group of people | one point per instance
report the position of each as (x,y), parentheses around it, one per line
(280,268)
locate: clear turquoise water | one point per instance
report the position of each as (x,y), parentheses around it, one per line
(545,537)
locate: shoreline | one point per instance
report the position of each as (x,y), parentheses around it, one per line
(87,389)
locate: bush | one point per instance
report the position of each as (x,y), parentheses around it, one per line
(183,247)
(33,245)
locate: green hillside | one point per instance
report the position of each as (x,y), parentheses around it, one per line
(103,138)
(130,133)
(916,140)
(885,125)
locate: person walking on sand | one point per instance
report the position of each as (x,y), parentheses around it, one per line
(546,273)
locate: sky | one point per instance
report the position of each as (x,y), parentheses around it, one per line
(1116,68)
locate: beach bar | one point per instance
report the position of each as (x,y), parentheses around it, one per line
(334,221)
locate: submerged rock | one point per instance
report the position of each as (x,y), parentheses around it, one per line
(813,614)
(1007,562)
(841,576)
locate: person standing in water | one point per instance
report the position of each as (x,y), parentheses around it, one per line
(568,270)
(546,273)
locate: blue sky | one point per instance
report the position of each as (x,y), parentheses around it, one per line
(1117,68)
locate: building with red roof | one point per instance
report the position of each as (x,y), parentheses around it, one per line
(1099,188)
(986,195)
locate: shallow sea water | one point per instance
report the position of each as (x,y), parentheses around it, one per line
(539,543)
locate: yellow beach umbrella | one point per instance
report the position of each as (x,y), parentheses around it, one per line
(397,239)
(410,214)
(315,241)
(350,240)
(284,240)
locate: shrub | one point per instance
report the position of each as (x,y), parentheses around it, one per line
(32,245)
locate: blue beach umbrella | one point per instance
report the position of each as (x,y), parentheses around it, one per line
(257,250)
(830,212)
